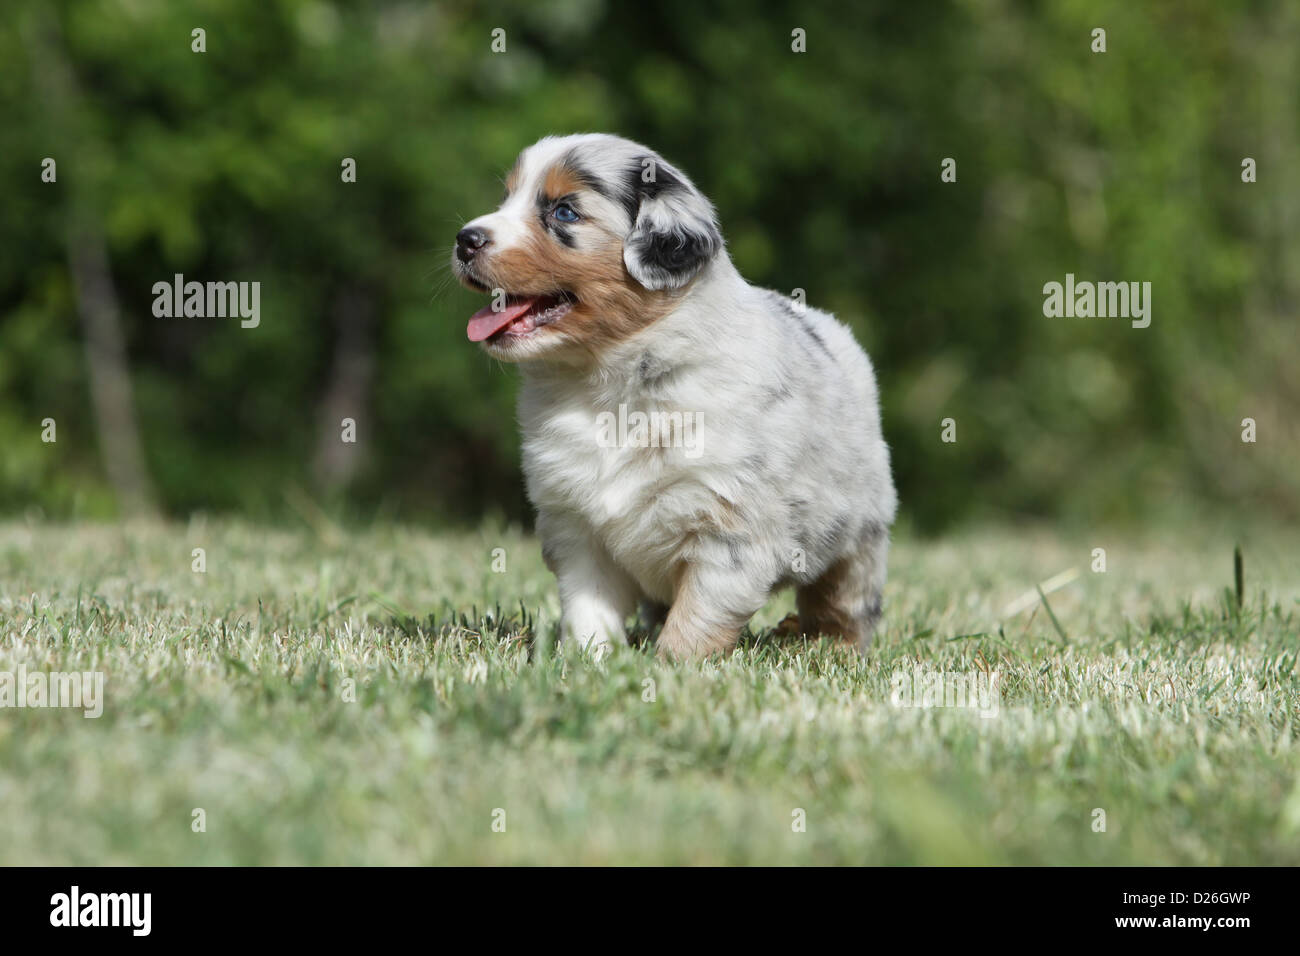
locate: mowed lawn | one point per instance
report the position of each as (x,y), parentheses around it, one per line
(1143,693)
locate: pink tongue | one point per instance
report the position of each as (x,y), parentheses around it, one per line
(486,323)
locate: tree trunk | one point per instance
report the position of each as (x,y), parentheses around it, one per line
(347,394)
(92,279)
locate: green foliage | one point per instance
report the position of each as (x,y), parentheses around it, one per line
(825,169)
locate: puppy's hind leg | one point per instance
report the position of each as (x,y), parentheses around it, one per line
(845,601)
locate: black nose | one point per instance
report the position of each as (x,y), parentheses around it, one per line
(468,242)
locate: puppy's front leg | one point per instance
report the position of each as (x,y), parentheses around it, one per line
(596,595)
(709,609)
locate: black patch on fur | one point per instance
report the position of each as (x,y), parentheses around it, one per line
(675,251)
(589,179)
(812,334)
(651,369)
(801,320)
(782,303)
(638,189)
(821,544)
(631,201)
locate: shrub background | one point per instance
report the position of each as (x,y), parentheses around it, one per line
(825,170)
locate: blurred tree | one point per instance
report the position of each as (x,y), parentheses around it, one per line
(92,280)
(825,166)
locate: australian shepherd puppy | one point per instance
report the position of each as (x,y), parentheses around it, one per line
(690,442)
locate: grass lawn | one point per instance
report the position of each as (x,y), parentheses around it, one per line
(1143,693)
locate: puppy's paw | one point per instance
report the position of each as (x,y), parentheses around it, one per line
(594,645)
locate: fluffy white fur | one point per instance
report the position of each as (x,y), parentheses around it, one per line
(788,481)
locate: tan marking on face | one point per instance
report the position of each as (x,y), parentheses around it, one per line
(560,181)
(512,177)
(611,304)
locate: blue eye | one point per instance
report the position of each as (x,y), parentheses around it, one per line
(564,213)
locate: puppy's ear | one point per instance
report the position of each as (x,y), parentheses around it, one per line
(674,229)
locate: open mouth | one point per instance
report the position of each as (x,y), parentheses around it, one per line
(521,315)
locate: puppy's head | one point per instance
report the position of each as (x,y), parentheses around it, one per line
(596,238)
